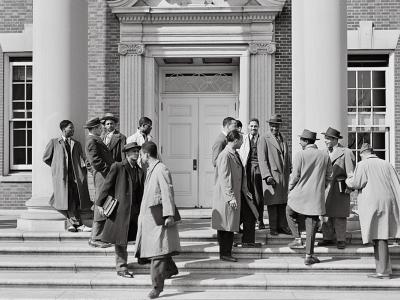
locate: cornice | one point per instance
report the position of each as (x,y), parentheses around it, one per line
(130,49)
(262,48)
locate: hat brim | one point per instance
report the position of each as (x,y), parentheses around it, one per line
(90,126)
(133,147)
(274,122)
(335,137)
(308,138)
(104,119)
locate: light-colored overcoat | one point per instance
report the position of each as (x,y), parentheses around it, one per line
(378,199)
(311,172)
(155,240)
(217,147)
(55,155)
(230,184)
(276,163)
(338,203)
(245,149)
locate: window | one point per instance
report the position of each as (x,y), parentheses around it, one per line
(20,114)
(369,104)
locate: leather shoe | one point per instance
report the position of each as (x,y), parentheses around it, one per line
(311,260)
(285,230)
(72,229)
(154,293)
(379,276)
(99,244)
(341,244)
(125,273)
(261,225)
(172,273)
(273,232)
(228,258)
(325,243)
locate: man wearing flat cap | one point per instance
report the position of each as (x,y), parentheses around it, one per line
(275,164)
(337,203)
(310,176)
(378,188)
(125,183)
(114,140)
(100,160)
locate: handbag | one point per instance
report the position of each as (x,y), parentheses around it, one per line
(157,213)
(109,205)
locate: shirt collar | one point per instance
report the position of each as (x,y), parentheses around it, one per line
(311,146)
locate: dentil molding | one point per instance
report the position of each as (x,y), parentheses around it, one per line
(262,47)
(130,49)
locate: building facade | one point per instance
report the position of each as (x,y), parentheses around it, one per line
(187,65)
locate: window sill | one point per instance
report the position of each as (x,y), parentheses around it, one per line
(17,177)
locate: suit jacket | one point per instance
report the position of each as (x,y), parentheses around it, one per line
(311,173)
(55,155)
(343,162)
(276,163)
(231,184)
(128,191)
(116,145)
(152,239)
(98,155)
(245,149)
(217,147)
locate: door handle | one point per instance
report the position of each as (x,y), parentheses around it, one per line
(194,164)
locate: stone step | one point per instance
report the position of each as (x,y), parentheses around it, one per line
(185,280)
(189,249)
(210,265)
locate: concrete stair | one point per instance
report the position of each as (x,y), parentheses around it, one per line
(65,266)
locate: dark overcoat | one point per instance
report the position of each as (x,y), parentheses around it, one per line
(121,226)
(116,145)
(217,147)
(338,203)
(55,155)
(276,163)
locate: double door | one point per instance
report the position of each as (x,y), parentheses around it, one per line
(189,125)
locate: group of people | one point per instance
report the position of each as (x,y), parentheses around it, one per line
(253,170)
(128,172)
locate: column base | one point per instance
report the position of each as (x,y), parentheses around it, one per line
(40,218)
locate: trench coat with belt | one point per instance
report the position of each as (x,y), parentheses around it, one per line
(338,202)
(154,240)
(55,155)
(231,184)
(274,161)
(121,226)
(378,199)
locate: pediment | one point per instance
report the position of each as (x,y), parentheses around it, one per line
(273,4)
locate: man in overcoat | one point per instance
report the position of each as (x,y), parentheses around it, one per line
(310,176)
(228,124)
(114,140)
(232,202)
(157,243)
(337,203)
(125,183)
(249,158)
(69,174)
(275,165)
(378,198)
(100,160)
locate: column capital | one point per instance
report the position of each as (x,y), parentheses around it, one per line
(262,47)
(130,48)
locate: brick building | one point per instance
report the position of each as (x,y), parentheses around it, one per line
(186,65)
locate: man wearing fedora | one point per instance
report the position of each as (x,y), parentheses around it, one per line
(337,203)
(275,164)
(309,178)
(125,183)
(378,188)
(114,140)
(100,160)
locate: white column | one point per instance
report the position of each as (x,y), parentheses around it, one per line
(60,55)
(261,88)
(244,92)
(131,86)
(319,56)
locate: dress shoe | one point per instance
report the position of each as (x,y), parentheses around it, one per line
(154,293)
(273,232)
(84,228)
(341,245)
(172,273)
(296,244)
(125,273)
(285,230)
(311,260)
(99,244)
(72,229)
(379,276)
(261,225)
(228,258)
(325,243)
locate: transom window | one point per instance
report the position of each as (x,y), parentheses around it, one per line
(21,115)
